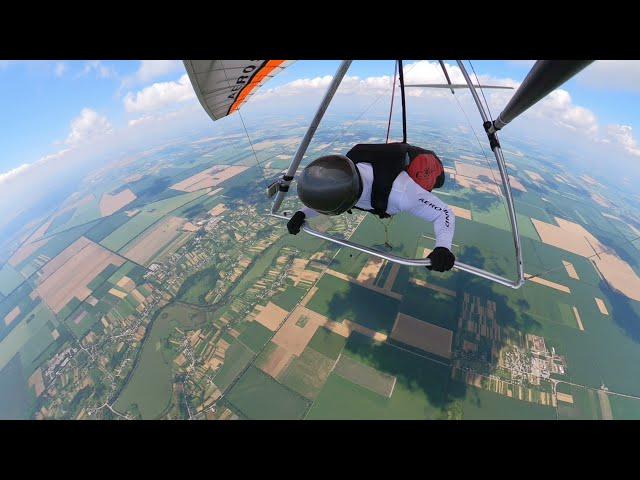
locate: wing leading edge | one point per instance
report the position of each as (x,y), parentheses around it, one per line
(222,86)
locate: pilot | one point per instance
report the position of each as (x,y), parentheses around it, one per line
(384,179)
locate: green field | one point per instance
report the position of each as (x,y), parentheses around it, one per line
(54,245)
(625,408)
(107,225)
(24,331)
(364,376)
(419,392)
(430,306)
(15,398)
(20,298)
(255,336)
(307,373)
(327,343)
(195,288)
(236,358)
(10,279)
(585,404)
(257,396)
(149,215)
(150,384)
(478,404)
(289,298)
(338,299)
(30,354)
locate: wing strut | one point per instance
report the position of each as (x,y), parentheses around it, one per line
(446,75)
(404,109)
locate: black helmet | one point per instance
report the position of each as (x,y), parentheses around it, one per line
(330,185)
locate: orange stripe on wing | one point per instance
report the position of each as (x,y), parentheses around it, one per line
(255,82)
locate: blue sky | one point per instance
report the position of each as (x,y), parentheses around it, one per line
(50,108)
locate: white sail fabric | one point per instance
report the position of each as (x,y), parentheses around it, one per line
(222,86)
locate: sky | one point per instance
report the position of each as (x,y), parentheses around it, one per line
(58,116)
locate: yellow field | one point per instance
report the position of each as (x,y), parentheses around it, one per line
(217,210)
(11,316)
(112,203)
(577,315)
(534,176)
(146,246)
(209,178)
(277,362)
(571,271)
(422,283)
(297,330)
(461,212)
(601,306)
(391,278)
(137,295)
(271,316)
(72,278)
(36,381)
(126,284)
(605,405)
(576,239)
(600,200)
(117,293)
(550,284)
(482,179)
(370,286)
(370,270)
(564,397)
(25,250)
(345,328)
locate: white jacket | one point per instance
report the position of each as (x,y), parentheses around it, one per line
(407,196)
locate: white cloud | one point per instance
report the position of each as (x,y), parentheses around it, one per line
(559,109)
(60,68)
(6,176)
(572,122)
(612,75)
(99,68)
(151,69)
(623,136)
(415,73)
(159,95)
(87,126)
(150,119)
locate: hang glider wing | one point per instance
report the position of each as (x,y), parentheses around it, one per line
(222,86)
(457,85)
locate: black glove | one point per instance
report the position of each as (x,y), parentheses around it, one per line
(441,259)
(295,223)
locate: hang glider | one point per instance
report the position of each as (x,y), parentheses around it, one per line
(457,85)
(222,86)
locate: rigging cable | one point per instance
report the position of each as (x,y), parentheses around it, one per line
(393,94)
(484,153)
(264,176)
(481,91)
